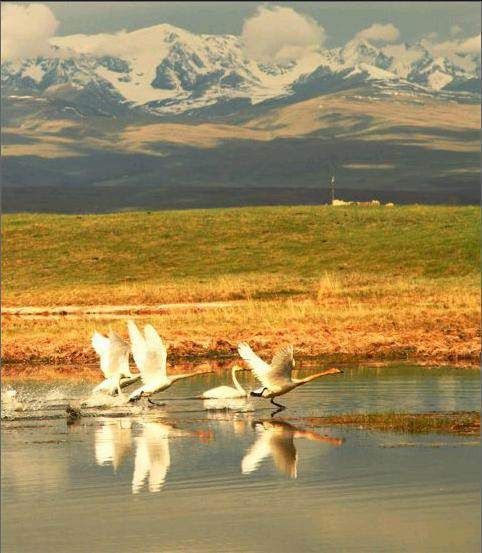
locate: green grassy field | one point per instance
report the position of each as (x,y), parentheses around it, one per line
(272,250)
(345,283)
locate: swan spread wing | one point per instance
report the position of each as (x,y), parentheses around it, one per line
(138,344)
(156,348)
(149,352)
(276,374)
(255,363)
(257,452)
(102,347)
(281,366)
(119,354)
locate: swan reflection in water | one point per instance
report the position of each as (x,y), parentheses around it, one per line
(113,441)
(276,439)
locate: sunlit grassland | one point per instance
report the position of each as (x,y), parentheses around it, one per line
(374,283)
(229,253)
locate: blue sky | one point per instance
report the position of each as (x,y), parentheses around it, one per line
(341,20)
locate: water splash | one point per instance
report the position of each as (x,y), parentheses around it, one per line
(14,401)
(10,403)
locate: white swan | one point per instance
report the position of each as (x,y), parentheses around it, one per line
(276,378)
(276,440)
(114,362)
(227,392)
(150,356)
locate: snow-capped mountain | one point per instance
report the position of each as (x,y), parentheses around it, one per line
(165,71)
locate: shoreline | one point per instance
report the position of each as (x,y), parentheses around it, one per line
(88,370)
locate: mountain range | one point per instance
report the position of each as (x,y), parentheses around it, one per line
(169,109)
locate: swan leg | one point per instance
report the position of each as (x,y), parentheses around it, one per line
(280,407)
(277,404)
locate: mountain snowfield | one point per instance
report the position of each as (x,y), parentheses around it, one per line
(165,71)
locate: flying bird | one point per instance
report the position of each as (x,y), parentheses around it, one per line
(114,362)
(276,378)
(150,356)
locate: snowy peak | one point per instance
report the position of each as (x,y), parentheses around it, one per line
(165,70)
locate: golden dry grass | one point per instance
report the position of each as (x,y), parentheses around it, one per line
(350,283)
(342,318)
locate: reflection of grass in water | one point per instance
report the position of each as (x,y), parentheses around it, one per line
(462,422)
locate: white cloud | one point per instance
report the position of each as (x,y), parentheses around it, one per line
(26,30)
(449,48)
(470,45)
(281,35)
(378,32)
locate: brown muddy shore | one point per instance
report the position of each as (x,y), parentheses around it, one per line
(68,360)
(320,332)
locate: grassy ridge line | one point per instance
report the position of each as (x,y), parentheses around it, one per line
(214,254)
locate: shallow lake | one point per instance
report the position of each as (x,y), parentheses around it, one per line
(186,477)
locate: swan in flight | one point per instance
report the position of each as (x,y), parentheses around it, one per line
(150,356)
(113,441)
(153,457)
(276,440)
(276,378)
(114,362)
(227,392)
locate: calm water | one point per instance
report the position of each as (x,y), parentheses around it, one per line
(182,478)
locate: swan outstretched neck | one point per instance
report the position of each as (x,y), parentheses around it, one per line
(300,381)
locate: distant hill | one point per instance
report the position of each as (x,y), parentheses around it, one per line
(193,123)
